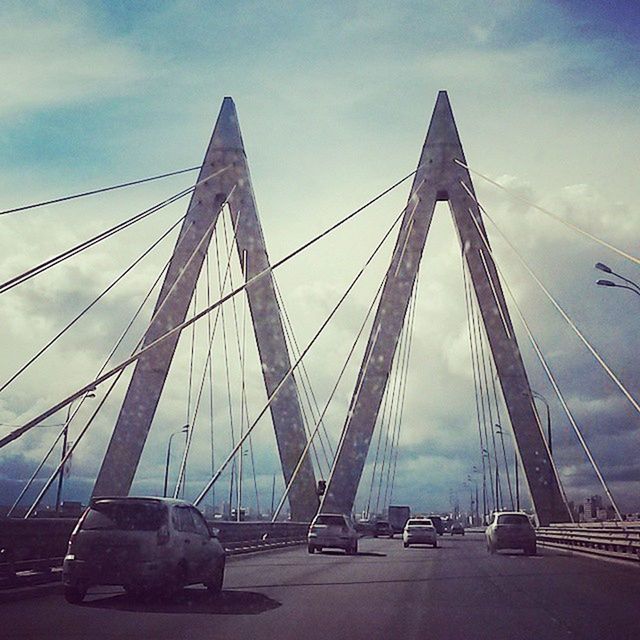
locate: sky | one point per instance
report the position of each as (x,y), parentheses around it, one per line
(334,100)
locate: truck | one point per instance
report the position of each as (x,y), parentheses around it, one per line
(398,516)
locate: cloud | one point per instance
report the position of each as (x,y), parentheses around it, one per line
(52,58)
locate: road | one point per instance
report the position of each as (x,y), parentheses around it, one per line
(454,592)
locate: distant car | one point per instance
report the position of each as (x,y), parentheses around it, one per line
(457,529)
(511,530)
(332,531)
(382,528)
(437,523)
(143,545)
(420,531)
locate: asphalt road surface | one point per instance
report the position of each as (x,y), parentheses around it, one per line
(457,591)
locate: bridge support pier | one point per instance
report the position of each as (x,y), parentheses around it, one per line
(440,177)
(226,164)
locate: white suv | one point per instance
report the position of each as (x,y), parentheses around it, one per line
(333,530)
(141,544)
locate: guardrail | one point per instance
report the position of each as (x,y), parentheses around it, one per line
(39,544)
(619,540)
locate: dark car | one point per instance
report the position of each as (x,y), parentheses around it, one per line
(143,545)
(382,528)
(437,523)
(456,529)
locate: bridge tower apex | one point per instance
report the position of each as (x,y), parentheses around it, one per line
(440,176)
(224,179)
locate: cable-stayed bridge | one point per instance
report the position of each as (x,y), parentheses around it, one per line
(219,282)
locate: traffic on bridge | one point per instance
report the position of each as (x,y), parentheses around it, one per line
(325,357)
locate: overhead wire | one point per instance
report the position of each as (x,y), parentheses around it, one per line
(302,355)
(412,316)
(96,191)
(178,328)
(305,381)
(471,331)
(565,316)
(556,217)
(219,313)
(55,338)
(69,253)
(320,419)
(552,380)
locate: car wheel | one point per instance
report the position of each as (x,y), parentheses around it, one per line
(355,548)
(214,586)
(391,537)
(311,549)
(405,544)
(74,594)
(435,544)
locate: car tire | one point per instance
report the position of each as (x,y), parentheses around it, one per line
(391,537)
(311,549)
(74,594)
(435,544)
(214,586)
(406,545)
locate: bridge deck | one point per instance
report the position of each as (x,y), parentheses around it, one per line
(455,591)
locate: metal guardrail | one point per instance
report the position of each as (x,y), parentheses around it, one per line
(39,544)
(605,539)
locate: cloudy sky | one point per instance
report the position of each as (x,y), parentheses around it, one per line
(334,100)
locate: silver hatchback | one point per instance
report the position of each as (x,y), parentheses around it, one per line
(511,530)
(143,545)
(332,530)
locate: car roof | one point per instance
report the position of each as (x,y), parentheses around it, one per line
(167,501)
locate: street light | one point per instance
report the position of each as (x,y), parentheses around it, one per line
(65,434)
(610,283)
(183,429)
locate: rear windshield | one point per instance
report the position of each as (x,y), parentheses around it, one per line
(382,524)
(125,516)
(330,520)
(513,518)
(418,523)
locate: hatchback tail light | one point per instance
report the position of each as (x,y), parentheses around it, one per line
(163,535)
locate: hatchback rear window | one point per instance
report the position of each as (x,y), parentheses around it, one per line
(420,523)
(331,520)
(125,516)
(514,518)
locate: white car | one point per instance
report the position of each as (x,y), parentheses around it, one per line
(143,545)
(334,531)
(511,530)
(419,531)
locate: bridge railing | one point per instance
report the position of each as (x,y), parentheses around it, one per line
(40,544)
(608,539)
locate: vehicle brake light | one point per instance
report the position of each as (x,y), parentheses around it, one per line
(163,535)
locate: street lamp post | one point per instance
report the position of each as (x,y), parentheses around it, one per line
(610,283)
(183,429)
(65,440)
(539,396)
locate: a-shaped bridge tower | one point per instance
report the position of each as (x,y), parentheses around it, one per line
(441,176)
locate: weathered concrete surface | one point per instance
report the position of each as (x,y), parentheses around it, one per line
(226,155)
(439,177)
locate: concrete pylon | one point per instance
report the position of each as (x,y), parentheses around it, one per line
(439,177)
(226,164)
